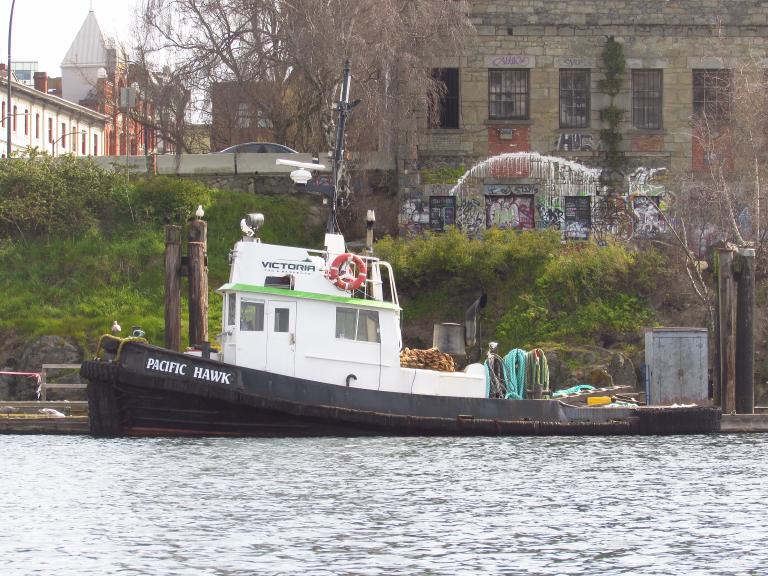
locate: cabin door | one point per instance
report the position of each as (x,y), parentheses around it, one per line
(251,337)
(281,337)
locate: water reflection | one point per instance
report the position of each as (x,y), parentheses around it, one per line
(681,505)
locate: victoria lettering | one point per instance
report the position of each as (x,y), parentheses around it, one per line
(170,367)
(282,266)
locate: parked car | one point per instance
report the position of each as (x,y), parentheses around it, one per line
(258,148)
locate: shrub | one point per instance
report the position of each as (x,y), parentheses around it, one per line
(64,197)
(162,199)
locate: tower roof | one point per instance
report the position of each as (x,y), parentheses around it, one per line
(89,47)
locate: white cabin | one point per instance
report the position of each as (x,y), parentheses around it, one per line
(283,314)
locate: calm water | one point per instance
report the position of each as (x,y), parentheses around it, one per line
(681,505)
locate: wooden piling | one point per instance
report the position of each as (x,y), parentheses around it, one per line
(745,335)
(198,282)
(727,321)
(173,287)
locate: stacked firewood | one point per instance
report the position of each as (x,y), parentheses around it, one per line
(431,359)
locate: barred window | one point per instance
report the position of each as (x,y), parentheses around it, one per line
(574,98)
(646,99)
(712,94)
(447,113)
(243,118)
(508,94)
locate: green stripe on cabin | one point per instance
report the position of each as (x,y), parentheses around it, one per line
(307,295)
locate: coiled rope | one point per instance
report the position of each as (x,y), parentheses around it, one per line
(514,363)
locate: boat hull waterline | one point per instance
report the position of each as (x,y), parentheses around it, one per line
(151,391)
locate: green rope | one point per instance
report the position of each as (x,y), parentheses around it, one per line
(514,362)
(537,370)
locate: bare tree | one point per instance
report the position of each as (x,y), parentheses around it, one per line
(719,200)
(287,56)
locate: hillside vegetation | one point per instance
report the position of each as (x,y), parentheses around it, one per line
(82,247)
(539,290)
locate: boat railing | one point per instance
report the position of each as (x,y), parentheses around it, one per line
(391,277)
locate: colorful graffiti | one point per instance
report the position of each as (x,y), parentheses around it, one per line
(509,212)
(414,217)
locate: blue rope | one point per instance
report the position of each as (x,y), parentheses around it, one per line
(514,362)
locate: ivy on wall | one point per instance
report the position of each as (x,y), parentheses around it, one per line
(614,66)
(442,175)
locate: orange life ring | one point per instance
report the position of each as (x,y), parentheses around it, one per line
(340,273)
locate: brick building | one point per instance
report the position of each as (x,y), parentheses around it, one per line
(95,75)
(529,81)
(235,116)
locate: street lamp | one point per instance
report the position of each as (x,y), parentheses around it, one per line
(10,27)
(55,143)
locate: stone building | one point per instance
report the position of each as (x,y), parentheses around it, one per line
(530,81)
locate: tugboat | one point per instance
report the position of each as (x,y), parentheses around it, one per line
(310,346)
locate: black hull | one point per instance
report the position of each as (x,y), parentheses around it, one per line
(134,397)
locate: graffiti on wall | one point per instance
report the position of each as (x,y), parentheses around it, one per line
(550,213)
(516,189)
(442,212)
(578,217)
(414,217)
(470,216)
(509,212)
(648,220)
(574,142)
(610,217)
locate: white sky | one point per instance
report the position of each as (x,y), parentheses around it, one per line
(43,30)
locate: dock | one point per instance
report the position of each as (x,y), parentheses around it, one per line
(25,417)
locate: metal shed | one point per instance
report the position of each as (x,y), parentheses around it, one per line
(677,366)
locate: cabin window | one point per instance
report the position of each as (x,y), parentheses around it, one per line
(282,318)
(360,325)
(231,308)
(251,316)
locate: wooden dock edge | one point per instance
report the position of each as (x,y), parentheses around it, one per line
(744,423)
(66,425)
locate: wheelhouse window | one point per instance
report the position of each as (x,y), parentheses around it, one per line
(251,316)
(359,325)
(231,308)
(508,94)
(646,99)
(712,94)
(574,98)
(444,111)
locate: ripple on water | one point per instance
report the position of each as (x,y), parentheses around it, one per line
(384,506)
